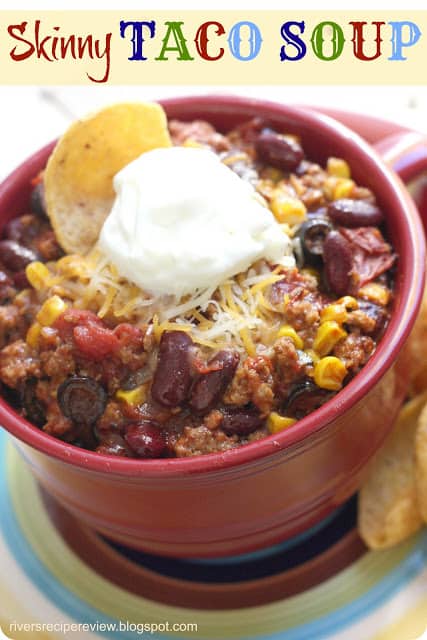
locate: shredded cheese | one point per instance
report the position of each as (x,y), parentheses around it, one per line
(237,313)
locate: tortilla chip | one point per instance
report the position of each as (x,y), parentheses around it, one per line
(417,347)
(421,462)
(79,174)
(388,501)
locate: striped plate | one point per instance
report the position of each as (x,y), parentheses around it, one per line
(45,579)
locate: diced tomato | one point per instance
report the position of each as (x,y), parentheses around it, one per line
(291,280)
(202,367)
(38,178)
(72,318)
(372,255)
(369,239)
(92,337)
(368,267)
(128,334)
(95,342)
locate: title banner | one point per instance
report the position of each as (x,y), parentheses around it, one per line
(213,47)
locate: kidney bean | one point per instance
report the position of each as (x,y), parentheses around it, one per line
(337,257)
(14,256)
(24,230)
(37,200)
(114,445)
(305,398)
(20,280)
(14,230)
(81,399)
(355,213)
(210,386)
(146,439)
(278,151)
(172,377)
(240,421)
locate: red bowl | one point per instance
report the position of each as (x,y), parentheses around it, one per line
(269,490)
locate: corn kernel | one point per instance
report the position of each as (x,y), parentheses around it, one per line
(343,188)
(329,373)
(276,422)
(338,167)
(51,310)
(38,275)
(349,303)
(265,188)
(133,397)
(232,158)
(338,310)
(329,187)
(334,312)
(72,266)
(375,293)
(33,335)
(287,209)
(192,143)
(327,336)
(289,332)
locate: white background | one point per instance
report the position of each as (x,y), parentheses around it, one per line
(32,116)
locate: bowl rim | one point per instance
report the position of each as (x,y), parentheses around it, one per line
(401,322)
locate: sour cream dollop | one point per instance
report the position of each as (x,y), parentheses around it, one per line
(182,222)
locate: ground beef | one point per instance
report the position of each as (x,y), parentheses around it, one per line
(201,440)
(309,185)
(287,366)
(302,311)
(58,364)
(17,363)
(253,382)
(47,246)
(133,356)
(198,131)
(57,424)
(359,320)
(213,420)
(12,324)
(112,420)
(354,350)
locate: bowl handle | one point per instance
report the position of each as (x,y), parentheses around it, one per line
(406,153)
